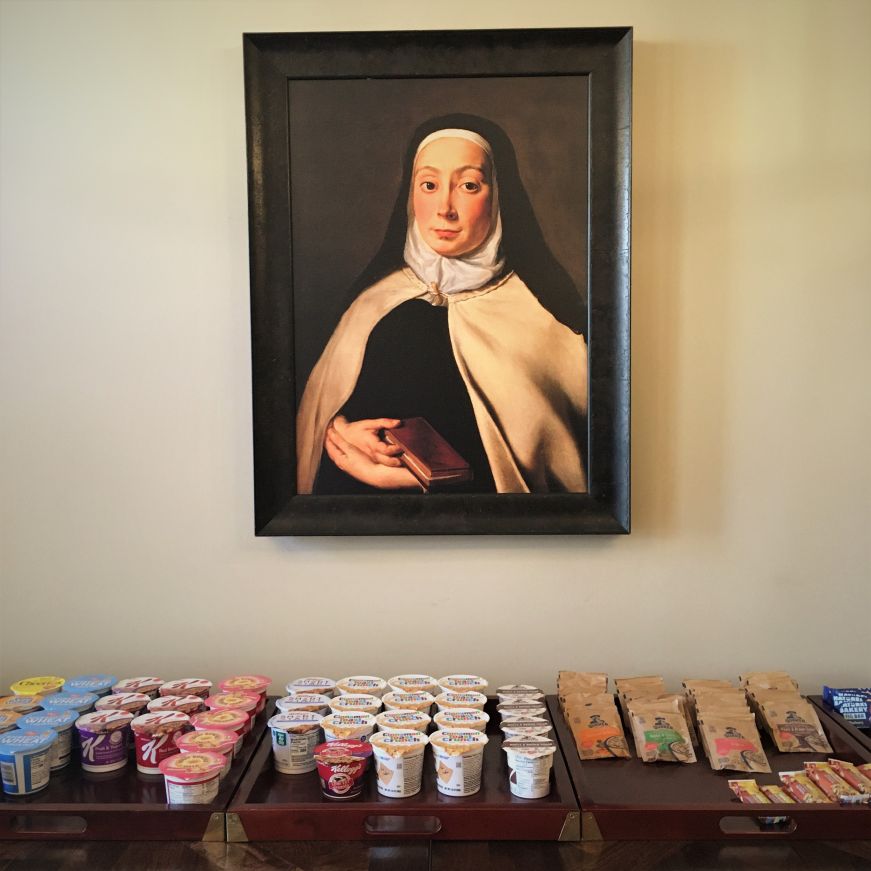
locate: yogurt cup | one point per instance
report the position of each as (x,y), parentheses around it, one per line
(524,726)
(459,759)
(355,702)
(213,740)
(104,738)
(148,686)
(99,684)
(413,683)
(323,686)
(81,703)
(463,683)
(8,719)
(342,768)
(400,701)
(37,686)
(402,720)
(519,692)
(189,705)
(25,760)
(520,709)
(61,723)
(20,704)
(530,758)
(133,702)
(341,727)
(462,718)
(154,737)
(312,702)
(186,686)
(449,699)
(399,762)
(245,702)
(362,683)
(192,778)
(248,683)
(294,738)
(227,721)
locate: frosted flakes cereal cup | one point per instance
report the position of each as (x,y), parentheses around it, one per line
(323,686)
(189,705)
(449,699)
(520,709)
(462,683)
(342,767)
(399,762)
(248,683)
(519,692)
(20,704)
(25,760)
(133,702)
(245,702)
(187,686)
(413,683)
(313,702)
(524,726)
(8,719)
(60,722)
(192,778)
(530,759)
(99,684)
(226,721)
(459,759)
(294,738)
(81,703)
(154,738)
(462,718)
(362,683)
(37,686)
(399,701)
(355,702)
(402,721)
(148,686)
(104,737)
(213,740)
(341,727)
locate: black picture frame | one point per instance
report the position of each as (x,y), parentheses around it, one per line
(603,57)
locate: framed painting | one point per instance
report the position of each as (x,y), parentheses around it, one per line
(439,227)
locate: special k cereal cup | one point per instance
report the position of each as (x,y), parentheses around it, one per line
(459,759)
(248,683)
(133,702)
(413,683)
(399,762)
(519,692)
(245,702)
(462,683)
(450,699)
(213,740)
(322,686)
(148,686)
(313,702)
(226,721)
(37,686)
(187,686)
(189,705)
(462,718)
(362,683)
(513,727)
(402,721)
(192,778)
(104,739)
(359,702)
(417,701)
(342,727)
(530,758)
(154,738)
(294,738)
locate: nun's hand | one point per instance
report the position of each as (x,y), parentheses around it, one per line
(358,451)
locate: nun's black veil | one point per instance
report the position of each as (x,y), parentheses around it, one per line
(522,241)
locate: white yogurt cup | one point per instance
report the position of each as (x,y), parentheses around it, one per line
(459,759)
(362,683)
(348,726)
(294,738)
(402,721)
(530,759)
(462,718)
(399,762)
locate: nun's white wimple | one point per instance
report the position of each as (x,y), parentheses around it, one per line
(455,133)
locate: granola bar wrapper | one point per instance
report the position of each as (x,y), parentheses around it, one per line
(732,743)
(589,682)
(748,792)
(691,685)
(835,788)
(661,733)
(802,788)
(574,701)
(768,680)
(795,727)
(776,794)
(851,774)
(598,733)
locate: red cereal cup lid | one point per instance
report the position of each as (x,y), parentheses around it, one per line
(104,721)
(237,701)
(223,719)
(185,686)
(185,704)
(214,740)
(193,767)
(148,723)
(338,749)
(138,685)
(254,683)
(122,702)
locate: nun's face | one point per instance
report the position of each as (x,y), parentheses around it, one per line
(452,196)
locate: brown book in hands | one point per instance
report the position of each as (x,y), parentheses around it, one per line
(427,455)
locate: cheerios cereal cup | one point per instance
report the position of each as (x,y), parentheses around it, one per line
(400,701)
(342,727)
(399,762)
(462,718)
(462,683)
(459,759)
(461,700)
(38,686)
(400,720)
(362,683)
(414,683)
(294,738)
(355,702)
(530,759)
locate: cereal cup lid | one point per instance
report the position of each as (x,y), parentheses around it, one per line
(104,721)
(417,701)
(237,701)
(20,704)
(349,720)
(193,767)
(138,685)
(174,703)
(254,683)
(532,746)
(215,740)
(310,685)
(520,691)
(361,683)
(399,741)
(34,686)
(335,751)
(57,720)
(9,718)
(69,701)
(122,701)
(468,739)
(460,718)
(521,709)
(451,699)
(411,682)
(354,702)
(302,701)
(185,686)
(26,740)
(90,683)
(168,721)
(402,719)
(301,721)
(525,725)
(463,683)
(226,719)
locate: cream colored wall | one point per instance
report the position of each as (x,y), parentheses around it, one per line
(127,541)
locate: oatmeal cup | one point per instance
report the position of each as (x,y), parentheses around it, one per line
(60,722)
(148,686)
(473,700)
(413,683)
(362,683)
(323,686)
(294,738)
(189,705)
(459,758)
(402,721)
(135,703)
(104,738)
(399,762)
(248,683)
(530,759)
(463,683)
(238,701)
(313,702)
(342,727)
(342,767)
(226,721)
(213,740)
(186,686)
(154,738)
(462,718)
(38,686)
(401,701)
(359,702)
(192,778)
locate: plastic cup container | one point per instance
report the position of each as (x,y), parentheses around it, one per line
(213,740)
(342,767)
(530,758)
(294,738)
(99,684)
(463,683)
(148,686)
(341,727)
(401,701)
(9,719)
(227,721)
(401,721)
(25,760)
(154,738)
(520,709)
(248,683)
(315,703)
(519,692)
(61,723)
(192,778)
(450,699)
(399,762)
(513,727)
(189,705)
(245,702)
(323,686)
(462,718)
(355,703)
(37,686)
(104,737)
(459,760)
(133,702)
(413,683)
(186,686)
(362,683)
(20,704)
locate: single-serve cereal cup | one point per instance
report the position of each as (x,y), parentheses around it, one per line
(294,738)
(20,704)
(342,767)
(399,761)
(323,686)
(355,702)
(341,727)
(154,736)
(520,709)
(104,739)
(186,686)
(25,760)
(362,683)
(459,759)
(81,703)
(450,699)
(400,701)
(133,702)
(9,719)
(248,683)
(189,705)
(513,726)
(462,683)
(148,686)
(462,718)
(60,722)
(313,702)
(99,684)
(530,758)
(213,740)
(37,686)
(192,778)
(227,721)
(245,702)
(402,720)
(413,683)
(519,692)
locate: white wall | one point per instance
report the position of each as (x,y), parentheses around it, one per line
(127,541)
